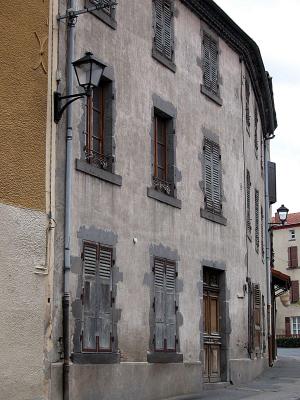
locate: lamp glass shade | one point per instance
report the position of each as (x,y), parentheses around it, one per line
(88,71)
(282,213)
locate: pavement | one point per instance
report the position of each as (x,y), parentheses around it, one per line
(281,382)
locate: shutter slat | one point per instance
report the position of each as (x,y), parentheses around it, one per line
(90,259)
(170,333)
(167,30)
(159,25)
(159,294)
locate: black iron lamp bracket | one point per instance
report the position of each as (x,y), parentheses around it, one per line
(59,108)
(71,14)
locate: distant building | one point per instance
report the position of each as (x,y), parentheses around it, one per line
(286,245)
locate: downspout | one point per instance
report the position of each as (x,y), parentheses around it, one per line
(68,202)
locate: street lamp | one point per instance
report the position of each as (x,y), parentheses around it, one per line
(88,70)
(282,214)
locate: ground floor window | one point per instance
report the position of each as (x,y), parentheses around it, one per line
(295,325)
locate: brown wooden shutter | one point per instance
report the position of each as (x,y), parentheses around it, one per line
(104,294)
(89,295)
(294,292)
(294,256)
(159,304)
(170,331)
(287,326)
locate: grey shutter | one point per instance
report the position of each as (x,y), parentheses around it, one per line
(159,301)
(105,298)
(170,155)
(159,25)
(262,234)
(247,89)
(256,220)
(248,183)
(212,177)
(255,129)
(272,182)
(214,66)
(206,61)
(170,331)
(216,178)
(108,99)
(168,30)
(89,297)
(257,318)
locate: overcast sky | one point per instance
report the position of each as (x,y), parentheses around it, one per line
(274,26)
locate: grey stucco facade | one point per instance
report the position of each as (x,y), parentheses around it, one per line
(121,209)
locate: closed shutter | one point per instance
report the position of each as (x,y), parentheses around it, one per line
(159,304)
(255,129)
(170,155)
(257,318)
(287,326)
(248,184)
(210,64)
(89,296)
(262,234)
(159,25)
(170,333)
(168,39)
(247,89)
(295,292)
(212,177)
(214,66)
(105,298)
(206,61)
(256,220)
(294,256)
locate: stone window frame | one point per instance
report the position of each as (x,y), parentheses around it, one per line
(83,164)
(108,18)
(159,191)
(159,55)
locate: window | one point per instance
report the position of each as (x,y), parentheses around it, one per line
(256,220)
(212,180)
(163,166)
(293,257)
(262,222)
(97,299)
(292,234)
(261,151)
(98,148)
(255,320)
(247,92)
(255,131)
(295,325)
(164,305)
(294,292)
(210,66)
(248,198)
(163,45)
(106,14)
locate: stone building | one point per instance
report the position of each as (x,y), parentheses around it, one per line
(286,241)
(164,270)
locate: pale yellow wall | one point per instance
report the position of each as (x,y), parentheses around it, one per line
(281,243)
(23,88)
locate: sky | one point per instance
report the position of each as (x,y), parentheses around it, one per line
(274,26)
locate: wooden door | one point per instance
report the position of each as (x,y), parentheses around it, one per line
(212,335)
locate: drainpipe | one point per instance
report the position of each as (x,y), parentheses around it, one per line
(267,245)
(68,202)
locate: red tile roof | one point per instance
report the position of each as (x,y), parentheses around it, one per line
(292,219)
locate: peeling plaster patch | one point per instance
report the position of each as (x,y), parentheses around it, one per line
(210,135)
(163,252)
(220,265)
(97,235)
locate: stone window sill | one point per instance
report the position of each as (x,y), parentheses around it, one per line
(219,219)
(163,60)
(164,357)
(211,95)
(83,166)
(95,358)
(163,198)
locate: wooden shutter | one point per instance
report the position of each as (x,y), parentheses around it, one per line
(105,298)
(212,177)
(287,326)
(170,155)
(247,89)
(262,234)
(294,256)
(159,304)
(159,25)
(210,64)
(257,318)
(256,220)
(248,184)
(255,129)
(89,294)
(170,332)
(295,292)
(168,35)
(214,66)
(206,61)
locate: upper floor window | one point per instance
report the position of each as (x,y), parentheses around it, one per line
(98,148)
(294,292)
(255,131)
(262,222)
(256,220)
(163,22)
(107,14)
(294,325)
(212,179)
(248,202)
(293,256)
(247,106)
(292,234)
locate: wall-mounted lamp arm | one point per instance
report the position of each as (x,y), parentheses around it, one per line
(58,108)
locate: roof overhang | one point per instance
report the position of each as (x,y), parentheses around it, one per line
(236,38)
(280,282)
